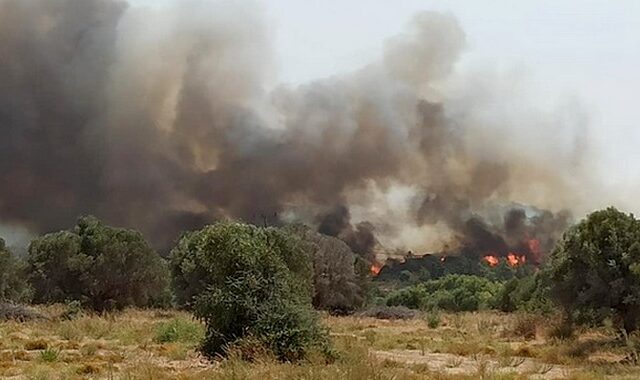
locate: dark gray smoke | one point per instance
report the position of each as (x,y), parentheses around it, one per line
(163,121)
(360,238)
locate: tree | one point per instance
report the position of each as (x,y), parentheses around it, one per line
(101,266)
(595,269)
(13,287)
(336,286)
(247,282)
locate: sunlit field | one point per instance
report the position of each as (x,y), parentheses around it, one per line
(160,344)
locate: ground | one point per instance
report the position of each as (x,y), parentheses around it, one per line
(156,344)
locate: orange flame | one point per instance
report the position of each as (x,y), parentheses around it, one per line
(514,260)
(375,269)
(491,260)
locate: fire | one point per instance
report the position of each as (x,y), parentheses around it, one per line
(375,269)
(514,260)
(534,248)
(491,260)
(443,259)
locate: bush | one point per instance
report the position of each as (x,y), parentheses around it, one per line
(190,275)
(413,297)
(528,294)
(49,355)
(452,293)
(13,287)
(433,320)
(248,282)
(178,330)
(595,270)
(102,267)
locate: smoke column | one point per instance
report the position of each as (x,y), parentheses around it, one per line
(164,120)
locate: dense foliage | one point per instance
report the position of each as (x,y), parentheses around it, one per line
(100,266)
(451,293)
(248,283)
(595,269)
(13,287)
(529,294)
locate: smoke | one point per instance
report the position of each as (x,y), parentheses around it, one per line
(163,120)
(360,238)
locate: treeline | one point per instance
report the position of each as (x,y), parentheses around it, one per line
(592,276)
(461,292)
(107,268)
(252,286)
(258,287)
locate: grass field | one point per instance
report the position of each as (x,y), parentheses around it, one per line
(155,344)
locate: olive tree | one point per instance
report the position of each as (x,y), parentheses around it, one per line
(336,285)
(103,267)
(248,283)
(595,269)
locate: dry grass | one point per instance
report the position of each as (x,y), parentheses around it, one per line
(139,344)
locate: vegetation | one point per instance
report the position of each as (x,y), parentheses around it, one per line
(102,267)
(248,283)
(13,287)
(595,269)
(336,286)
(252,291)
(451,293)
(528,294)
(178,330)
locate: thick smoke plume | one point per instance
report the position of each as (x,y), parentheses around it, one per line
(163,120)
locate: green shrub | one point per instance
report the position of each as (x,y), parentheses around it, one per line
(452,293)
(528,294)
(49,355)
(433,319)
(178,330)
(13,287)
(413,297)
(190,276)
(102,267)
(248,282)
